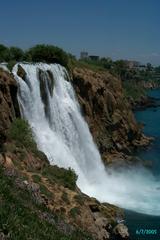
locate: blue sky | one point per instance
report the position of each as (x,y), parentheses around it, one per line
(128,29)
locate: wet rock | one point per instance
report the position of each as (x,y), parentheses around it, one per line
(21,72)
(121,231)
(46,80)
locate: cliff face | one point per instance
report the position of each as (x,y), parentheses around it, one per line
(108,113)
(8,103)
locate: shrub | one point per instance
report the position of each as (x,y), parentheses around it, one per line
(4,53)
(44,190)
(74,212)
(10,54)
(16,54)
(48,54)
(21,133)
(11,64)
(65,177)
(36,178)
(133,90)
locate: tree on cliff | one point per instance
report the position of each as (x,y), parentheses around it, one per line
(48,54)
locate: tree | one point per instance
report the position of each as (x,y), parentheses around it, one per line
(4,53)
(120,67)
(47,53)
(149,67)
(16,54)
(106,62)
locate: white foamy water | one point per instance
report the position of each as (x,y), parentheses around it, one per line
(63,135)
(4,67)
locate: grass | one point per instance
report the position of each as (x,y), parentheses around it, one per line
(45,191)
(21,133)
(65,177)
(20,216)
(36,178)
(74,212)
(87,64)
(133,90)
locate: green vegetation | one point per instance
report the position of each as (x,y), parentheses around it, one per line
(133,90)
(36,178)
(133,76)
(65,177)
(74,212)
(45,191)
(21,218)
(21,133)
(11,55)
(48,54)
(38,53)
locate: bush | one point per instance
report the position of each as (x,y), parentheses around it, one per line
(38,53)
(65,177)
(4,53)
(16,54)
(74,212)
(21,133)
(133,90)
(48,54)
(11,64)
(10,54)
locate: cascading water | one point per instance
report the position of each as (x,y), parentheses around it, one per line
(48,102)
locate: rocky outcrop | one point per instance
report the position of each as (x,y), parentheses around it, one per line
(144,101)
(108,113)
(9,108)
(150,84)
(121,231)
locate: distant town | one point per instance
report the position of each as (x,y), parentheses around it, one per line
(129,63)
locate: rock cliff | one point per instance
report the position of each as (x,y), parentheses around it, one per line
(108,114)
(8,103)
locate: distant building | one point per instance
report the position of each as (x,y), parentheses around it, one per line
(142,67)
(132,64)
(94,58)
(84,55)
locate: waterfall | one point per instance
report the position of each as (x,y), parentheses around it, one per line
(47,100)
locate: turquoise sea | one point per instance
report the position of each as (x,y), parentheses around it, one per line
(141,226)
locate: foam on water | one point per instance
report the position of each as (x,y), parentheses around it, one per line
(63,135)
